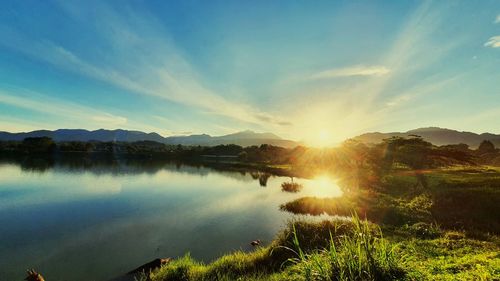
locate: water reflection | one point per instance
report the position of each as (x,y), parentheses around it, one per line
(291,186)
(322,186)
(91,220)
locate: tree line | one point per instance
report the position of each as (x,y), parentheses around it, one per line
(412,152)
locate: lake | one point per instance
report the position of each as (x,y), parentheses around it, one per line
(94,221)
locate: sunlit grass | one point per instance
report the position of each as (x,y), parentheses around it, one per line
(452,257)
(349,249)
(362,255)
(329,250)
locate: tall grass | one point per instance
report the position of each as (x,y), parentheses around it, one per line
(235,266)
(362,255)
(330,250)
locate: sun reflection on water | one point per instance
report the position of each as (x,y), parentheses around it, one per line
(322,186)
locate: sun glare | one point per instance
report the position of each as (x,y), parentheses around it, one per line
(323,186)
(324,138)
(321,138)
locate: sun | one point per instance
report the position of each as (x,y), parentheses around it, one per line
(322,138)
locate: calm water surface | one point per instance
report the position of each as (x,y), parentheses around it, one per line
(95,222)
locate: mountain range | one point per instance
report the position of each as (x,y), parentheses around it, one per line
(243,138)
(435,135)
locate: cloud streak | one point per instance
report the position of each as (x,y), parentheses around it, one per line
(241,81)
(157,68)
(68,114)
(47,105)
(357,70)
(493,42)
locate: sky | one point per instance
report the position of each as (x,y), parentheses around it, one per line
(313,71)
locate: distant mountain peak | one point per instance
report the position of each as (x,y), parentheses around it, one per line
(426,129)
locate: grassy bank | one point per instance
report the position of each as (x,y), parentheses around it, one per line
(439,224)
(329,250)
(350,249)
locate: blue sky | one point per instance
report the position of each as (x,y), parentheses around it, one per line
(318,71)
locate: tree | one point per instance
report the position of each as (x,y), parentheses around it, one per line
(486,146)
(38,145)
(413,152)
(243,156)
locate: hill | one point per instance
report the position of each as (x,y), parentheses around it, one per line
(435,135)
(244,138)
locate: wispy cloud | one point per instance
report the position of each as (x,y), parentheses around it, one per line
(155,66)
(47,105)
(357,70)
(66,114)
(493,42)
(134,52)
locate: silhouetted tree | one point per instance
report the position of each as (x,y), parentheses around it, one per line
(486,146)
(38,145)
(413,152)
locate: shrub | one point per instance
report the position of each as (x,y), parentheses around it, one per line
(424,230)
(292,187)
